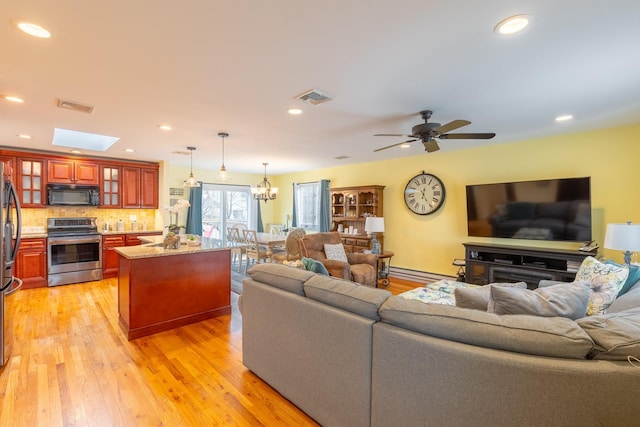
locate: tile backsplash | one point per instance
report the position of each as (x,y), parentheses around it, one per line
(149,217)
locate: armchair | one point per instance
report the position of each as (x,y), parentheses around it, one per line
(360,268)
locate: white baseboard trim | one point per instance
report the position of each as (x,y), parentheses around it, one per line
(416,275)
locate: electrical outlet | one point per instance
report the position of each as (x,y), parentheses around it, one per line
(133,217)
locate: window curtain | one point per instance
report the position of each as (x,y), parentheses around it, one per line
(260,227)
(325,205)
(294,217)
(194,213)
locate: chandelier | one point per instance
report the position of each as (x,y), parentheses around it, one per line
(191,181)
(264,190)
(223,175)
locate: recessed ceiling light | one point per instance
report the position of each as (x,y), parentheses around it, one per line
(34,30)
(165,127)
(564,118)
(14,99)
(405,145)
(76,151)
(512,24)
(24,136)
(129,150)
(294,111)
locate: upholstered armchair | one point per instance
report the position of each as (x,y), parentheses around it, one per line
(360,268)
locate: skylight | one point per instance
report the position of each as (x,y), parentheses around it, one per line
(82,140)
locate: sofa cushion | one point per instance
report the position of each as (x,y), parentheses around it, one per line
(281,276)
(616,335)
(606,281)
(543,336)
(335,251)
(632,278)
(563,300)
(311,264)
(349,296)
(477,298)
(629,300)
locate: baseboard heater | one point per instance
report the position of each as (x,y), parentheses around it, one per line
(416,275)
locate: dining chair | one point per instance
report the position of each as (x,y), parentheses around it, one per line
(276,229)
(237,246)
(253,248)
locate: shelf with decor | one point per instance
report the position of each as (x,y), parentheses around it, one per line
(350,207)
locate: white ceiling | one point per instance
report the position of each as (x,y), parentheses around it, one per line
(206,66)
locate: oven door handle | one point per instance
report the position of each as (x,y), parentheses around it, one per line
(63,241)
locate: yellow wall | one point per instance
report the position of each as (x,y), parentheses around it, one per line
(430,243)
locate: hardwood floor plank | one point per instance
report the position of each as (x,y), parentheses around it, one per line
(71,365)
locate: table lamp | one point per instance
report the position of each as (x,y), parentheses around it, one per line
(623,237)
(373,225)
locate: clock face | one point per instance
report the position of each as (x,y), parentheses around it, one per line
(424,194)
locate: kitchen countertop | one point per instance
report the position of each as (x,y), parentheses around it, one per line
(110,232)
(33,235)
(154,248)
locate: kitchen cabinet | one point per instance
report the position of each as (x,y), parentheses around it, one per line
(109,255)
(110,186)
(31,262)
(65,171)
(9,165)
(31,182)
(111,241)
(140,187)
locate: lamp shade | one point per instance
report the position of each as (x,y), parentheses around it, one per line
(374,224)
(623,237)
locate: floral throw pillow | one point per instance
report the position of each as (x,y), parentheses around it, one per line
(605,281)
(335,251)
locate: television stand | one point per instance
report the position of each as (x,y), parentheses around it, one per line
(489,263)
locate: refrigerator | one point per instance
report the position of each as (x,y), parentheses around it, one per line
(9,244)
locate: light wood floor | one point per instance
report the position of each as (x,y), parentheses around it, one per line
(71,365)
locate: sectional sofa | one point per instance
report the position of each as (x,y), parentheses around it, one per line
(350,355)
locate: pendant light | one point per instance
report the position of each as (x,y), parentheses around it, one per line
(264,191)
(223,175)
(191,181)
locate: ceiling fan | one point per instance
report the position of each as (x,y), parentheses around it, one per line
(429,132)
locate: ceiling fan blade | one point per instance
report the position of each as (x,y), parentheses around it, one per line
(431,145)
(394,134)
(467,136)
(453,125)
(394,145)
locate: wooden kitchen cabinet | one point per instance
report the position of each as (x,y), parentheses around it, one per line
(9,167)
(31,182)
(109,255)
(31,263)
(140,187)
(65,171)
(110,186)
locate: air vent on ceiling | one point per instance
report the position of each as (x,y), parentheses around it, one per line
(314,97)
(70,105)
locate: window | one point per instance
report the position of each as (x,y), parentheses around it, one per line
(308,205)
(225,206)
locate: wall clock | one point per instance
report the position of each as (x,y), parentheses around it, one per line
(424,194)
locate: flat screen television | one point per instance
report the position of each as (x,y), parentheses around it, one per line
(548,209)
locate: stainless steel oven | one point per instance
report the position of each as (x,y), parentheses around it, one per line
(74,251)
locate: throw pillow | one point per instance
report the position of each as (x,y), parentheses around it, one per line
(564,300)
(335,251)
(478,298)
(606,282)
(315,266)
(634,276)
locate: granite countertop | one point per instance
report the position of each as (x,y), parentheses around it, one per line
(155,248)
(110,232)
(33,235)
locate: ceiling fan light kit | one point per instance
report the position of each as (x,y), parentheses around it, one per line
(429,132)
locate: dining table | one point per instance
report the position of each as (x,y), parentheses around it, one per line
(270,240)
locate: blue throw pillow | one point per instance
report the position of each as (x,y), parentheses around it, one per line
(311,264)
(634,276)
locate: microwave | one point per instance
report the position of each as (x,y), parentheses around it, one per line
(72,195)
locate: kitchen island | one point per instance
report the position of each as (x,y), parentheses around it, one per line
(161,289)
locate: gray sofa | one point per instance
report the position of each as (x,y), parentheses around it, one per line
(349,355)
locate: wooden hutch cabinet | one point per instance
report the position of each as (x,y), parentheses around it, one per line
(350,206)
